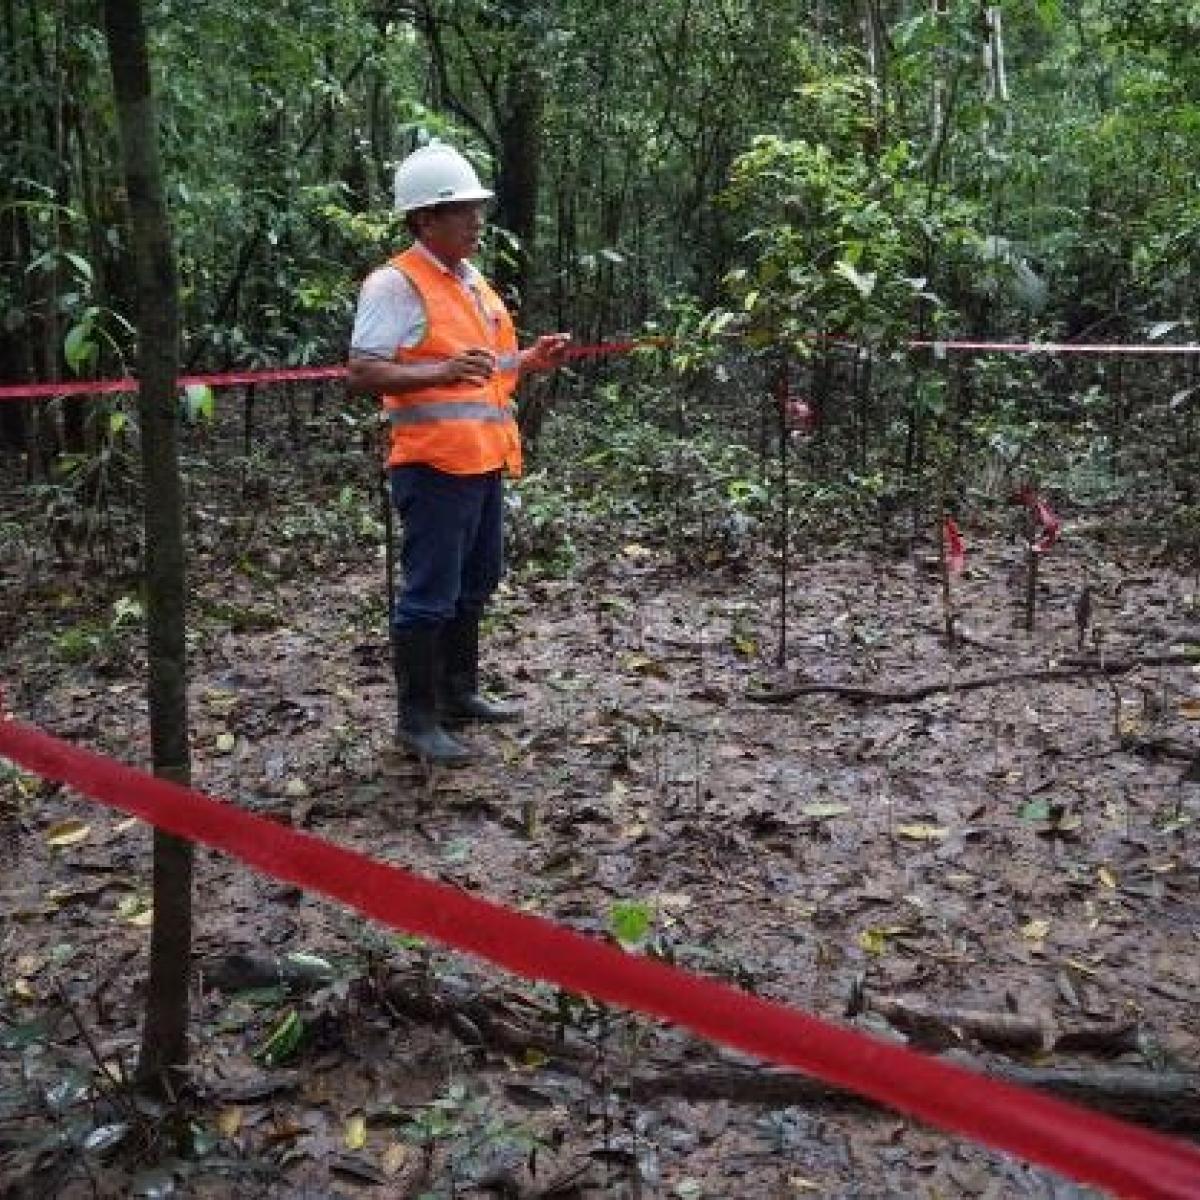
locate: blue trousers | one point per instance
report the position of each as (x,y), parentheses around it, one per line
(452,554)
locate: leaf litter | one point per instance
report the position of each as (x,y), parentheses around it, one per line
(975,851)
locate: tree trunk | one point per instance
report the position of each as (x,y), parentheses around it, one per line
(164,1036)
(517,183)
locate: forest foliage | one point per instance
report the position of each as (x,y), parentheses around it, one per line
(748,176)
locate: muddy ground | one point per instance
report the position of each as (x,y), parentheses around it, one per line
(1024,849)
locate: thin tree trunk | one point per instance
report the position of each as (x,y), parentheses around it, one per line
(519,171)
(164,1035)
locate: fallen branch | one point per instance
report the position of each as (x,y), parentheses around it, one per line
(1168,1100)
(1164,1100)
(1072,668)
(932,1026)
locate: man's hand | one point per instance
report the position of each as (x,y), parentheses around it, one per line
(476,365)
(546,353)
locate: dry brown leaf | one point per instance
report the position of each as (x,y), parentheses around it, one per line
(394,1159)
(229,1120)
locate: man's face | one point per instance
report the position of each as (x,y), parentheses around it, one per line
(452,231)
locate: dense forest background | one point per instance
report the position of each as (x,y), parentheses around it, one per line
(745,177)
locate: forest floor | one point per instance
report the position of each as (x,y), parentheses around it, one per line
(1002,849)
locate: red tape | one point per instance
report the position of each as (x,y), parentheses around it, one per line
(595,349)
(1084,1145)
(97,387)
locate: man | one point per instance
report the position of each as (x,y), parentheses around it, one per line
(437,344)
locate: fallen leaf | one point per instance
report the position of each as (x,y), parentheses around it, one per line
(295,788)
(356,1132)
(1190,709)
(28,964)
(1035,930)
(137,910)
(229,1120)
(396,1157)
(822,809)
(225,743)
(1130,724)
(67,833)
(873,940)
(643,664)
(1107,878)
(922,833)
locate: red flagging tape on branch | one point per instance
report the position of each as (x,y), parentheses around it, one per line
(1086,1146)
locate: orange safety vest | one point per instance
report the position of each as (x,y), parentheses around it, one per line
(460,428)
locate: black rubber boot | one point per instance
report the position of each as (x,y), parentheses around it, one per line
(416,657)
(460,699)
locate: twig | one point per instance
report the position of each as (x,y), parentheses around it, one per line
(112,1086)
(1072,668)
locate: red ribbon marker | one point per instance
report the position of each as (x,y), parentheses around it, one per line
(956,549)
(1046,519)
(1084,1145)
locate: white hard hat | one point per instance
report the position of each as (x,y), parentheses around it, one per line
(436,174)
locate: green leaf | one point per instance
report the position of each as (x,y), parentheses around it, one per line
(863,282)
(78,347)
(283,1041)
(630,922)
(199,402)
(83,268)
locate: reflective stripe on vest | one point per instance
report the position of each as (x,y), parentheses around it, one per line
(449,410)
